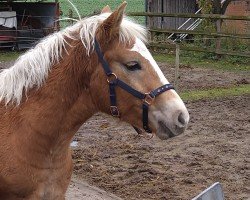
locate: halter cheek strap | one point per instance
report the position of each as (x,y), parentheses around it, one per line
(113,81)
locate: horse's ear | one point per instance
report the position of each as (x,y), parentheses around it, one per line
(106,9)
(110,27)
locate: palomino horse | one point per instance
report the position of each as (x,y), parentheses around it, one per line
(55,87)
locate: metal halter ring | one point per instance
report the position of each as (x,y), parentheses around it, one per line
(111,77)
(114,111)
(148,99)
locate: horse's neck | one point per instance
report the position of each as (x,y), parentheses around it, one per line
(47,121)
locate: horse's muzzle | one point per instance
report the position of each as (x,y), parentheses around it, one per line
(166,130)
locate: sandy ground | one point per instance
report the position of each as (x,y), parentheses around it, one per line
(215,148)
(192,78)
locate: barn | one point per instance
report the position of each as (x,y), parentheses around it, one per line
(170,6)
(23,23)
(235,7)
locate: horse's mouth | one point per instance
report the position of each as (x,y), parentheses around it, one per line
(163,132)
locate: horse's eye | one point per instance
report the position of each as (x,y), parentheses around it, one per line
(133,66)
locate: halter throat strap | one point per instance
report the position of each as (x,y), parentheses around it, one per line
(113,81)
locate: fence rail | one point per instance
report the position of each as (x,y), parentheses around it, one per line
(188,15)
(217,35)
(213,34)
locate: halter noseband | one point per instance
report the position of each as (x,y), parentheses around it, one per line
(113,81)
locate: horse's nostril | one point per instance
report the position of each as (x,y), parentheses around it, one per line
(181,119)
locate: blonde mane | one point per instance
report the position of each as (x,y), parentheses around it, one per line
(31,69)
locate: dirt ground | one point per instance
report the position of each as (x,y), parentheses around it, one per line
(193,78)
(215,147)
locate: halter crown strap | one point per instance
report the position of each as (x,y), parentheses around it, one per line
(114,81)
(105,65)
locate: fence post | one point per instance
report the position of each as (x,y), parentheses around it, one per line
(151,22)
(177,66)
(218,40)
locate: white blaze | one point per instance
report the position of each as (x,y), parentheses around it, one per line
(141,48)
(169,111)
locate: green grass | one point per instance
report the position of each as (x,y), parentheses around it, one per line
(216,93)
(9,56)
(199,60)
(87,7)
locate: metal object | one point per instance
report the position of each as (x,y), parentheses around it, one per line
(111,78)
(148,99)
(214,192)
(181,26)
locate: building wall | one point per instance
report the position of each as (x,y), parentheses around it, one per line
(241,8)
(169,6)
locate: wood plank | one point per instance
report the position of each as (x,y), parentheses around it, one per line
(188,15)
(212,34)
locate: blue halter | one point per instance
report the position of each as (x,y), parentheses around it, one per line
(113,81)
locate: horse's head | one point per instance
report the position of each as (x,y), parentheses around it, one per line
(132,63)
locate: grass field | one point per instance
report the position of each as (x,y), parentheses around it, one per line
(87,7)
(216,93)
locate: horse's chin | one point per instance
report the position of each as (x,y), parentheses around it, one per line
(163,132)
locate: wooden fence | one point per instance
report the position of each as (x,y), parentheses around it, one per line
(179,46)
(188,15)
(217,35)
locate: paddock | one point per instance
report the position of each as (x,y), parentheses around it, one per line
(214,148)
(110,155)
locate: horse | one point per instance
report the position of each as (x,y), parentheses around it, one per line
(99,64)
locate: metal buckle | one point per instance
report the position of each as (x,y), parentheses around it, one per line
(148,99)
(111,78)
(114,111)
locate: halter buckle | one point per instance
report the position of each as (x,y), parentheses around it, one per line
(112,78)
(148,99)
(114,111)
